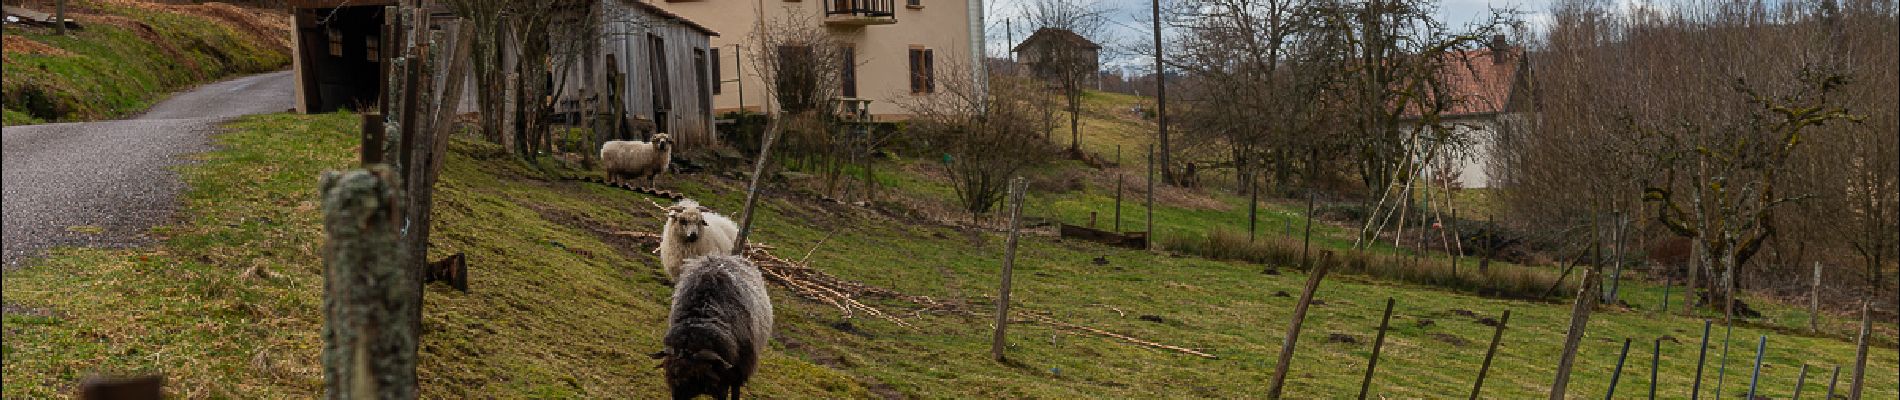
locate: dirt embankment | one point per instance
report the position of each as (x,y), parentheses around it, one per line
(128,53)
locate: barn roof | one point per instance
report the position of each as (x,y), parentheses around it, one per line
(1061,36)
(669,15)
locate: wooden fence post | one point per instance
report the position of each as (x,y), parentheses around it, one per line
(1721,367)
(1253,209)
(1800,381)
(1016,189)
(1118,195)
(1579,320)
(1860,353)
(1378,342)
(1617,374)
(1313,277)
(1490,352)
(1755,378)
(1151,197)
(1701,355)
(1814,301)
(1655,366)
(369,302)
(1832,380)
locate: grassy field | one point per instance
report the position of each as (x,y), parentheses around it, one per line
(128,56)
(228,304)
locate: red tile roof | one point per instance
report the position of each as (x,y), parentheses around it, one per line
(1476,83)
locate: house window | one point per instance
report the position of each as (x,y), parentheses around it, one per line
(923,74)
(850,73)
(336,42)
(716,75)
(372,48)
(914,3)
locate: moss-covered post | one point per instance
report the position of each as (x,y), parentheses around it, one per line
(369,293)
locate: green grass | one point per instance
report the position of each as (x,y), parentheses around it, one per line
(112,71)
(559,310)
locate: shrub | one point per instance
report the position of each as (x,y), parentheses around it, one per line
(1500,280)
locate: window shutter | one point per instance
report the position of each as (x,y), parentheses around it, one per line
(850,73)
(916,70)
(930,72)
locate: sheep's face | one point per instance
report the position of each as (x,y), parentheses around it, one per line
(689,221)
(696,360)
(662,141)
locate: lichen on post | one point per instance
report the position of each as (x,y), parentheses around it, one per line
(369,340)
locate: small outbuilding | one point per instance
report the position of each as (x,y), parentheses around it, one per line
(1053,53)
(338,53)
(649,70)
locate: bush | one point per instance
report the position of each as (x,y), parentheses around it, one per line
(1500,280)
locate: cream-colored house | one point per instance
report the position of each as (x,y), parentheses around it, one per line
(898,48)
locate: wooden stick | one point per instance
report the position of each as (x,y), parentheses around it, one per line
(1860,352)
(1655,364)
(1130,339)
(1313,278)
(1016,189)
(1579,320)
(1721,367)
(1755,378)
(1831,381)
(1800,381)
(1490,352)
(1617,374)
(1701,355)
(1377,343)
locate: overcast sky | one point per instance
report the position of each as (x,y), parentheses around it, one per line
(1129,23)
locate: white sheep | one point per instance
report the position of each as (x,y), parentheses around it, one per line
(624,159)
(721,322)
(692,231)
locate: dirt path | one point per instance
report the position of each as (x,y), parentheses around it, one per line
(105,183)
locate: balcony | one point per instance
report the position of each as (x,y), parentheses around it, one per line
(860,12)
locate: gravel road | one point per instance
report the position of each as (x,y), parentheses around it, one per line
(105,183)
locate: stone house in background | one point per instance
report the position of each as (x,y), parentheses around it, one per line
(1050,52)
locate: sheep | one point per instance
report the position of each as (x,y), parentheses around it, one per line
(692,231)
(623,159)
(721,322)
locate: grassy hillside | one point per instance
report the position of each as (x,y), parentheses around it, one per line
(130,54)
(560,307)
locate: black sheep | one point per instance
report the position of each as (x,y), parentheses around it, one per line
(720,324)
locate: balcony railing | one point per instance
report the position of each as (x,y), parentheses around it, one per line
(860,12)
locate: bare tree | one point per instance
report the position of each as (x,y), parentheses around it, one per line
(985,139)
(1069,64)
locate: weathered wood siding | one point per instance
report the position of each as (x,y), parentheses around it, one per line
(627,35)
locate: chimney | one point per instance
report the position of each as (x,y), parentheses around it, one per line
(1500,51)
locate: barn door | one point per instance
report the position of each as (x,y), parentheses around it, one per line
(662,84)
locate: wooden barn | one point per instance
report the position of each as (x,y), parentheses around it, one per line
(338,55)
(649,65)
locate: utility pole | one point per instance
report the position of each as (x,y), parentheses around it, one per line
(1161,99)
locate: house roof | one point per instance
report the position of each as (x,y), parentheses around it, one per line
(1477,82)
(1058,34)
